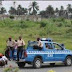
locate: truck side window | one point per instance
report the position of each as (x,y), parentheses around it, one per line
(48,45)
(57,47)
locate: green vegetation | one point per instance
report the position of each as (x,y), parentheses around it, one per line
(60,30)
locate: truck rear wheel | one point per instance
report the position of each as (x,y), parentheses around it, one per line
(68,61)
(37,63)
(21,64)
(52,64)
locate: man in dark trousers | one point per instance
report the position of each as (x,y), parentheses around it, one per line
(21,44)
(10,45)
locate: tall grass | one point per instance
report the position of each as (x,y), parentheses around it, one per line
(59,30)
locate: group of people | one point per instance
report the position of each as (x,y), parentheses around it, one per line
(19,45)
(15,44)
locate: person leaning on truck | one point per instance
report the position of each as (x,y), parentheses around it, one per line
(40,45)
(21,45)
(10,45)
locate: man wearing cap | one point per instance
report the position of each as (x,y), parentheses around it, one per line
(10,45)
(21,45)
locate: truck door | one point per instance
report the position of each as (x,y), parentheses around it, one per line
(49,52)
(58,52)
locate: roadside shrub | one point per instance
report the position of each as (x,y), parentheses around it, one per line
(56,33)
(21,21)
(27,19)
(69,30)
(62,19)
(11,17)
(22,25)
(54,20)
(30,35)
(67,25)
(43,24)
(71,21)
(42,33)
(11,69)
(59,24)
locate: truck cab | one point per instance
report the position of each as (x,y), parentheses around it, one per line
(51,52)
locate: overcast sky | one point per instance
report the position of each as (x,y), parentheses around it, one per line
(42,4)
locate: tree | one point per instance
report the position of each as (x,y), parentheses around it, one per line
(61,12)
(12,11)
(24,11)
(69,9)
(21,10)
(34,8)
(49,11)
(3,10)
(43,13)
(56,10)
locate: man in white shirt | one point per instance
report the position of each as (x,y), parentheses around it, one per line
(21,45)
(10,45)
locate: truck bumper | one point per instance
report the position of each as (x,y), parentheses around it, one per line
(23,61)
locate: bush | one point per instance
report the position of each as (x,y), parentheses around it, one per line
(54,20)
(62,19)
(11,69)
(11,17)
(56,33)
(43,24)
(69,30)
(71,21)
(59,24)
(27,19)
(42,33)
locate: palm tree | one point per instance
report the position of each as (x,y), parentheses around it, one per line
(3,10)
(34,8)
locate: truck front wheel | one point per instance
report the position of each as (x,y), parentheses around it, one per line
(68,61)
(37,63)
(21,64)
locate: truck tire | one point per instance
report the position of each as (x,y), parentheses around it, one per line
(68,61)
(21,64)
(52,64)
(37,63)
